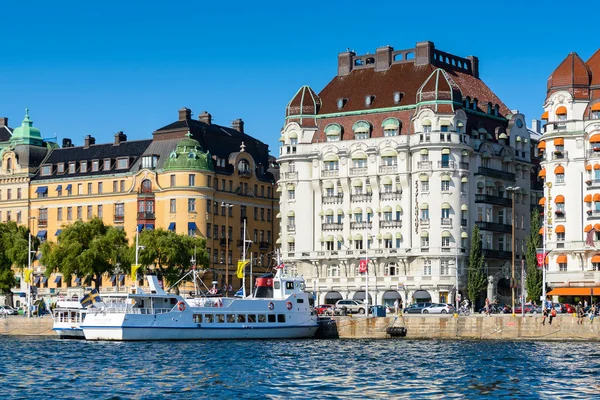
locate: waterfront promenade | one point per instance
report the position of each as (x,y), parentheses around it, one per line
(498,327)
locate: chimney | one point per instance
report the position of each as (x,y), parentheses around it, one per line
(474,66)
(3,122)
(383,58)
(120,137)
(185,114)
(205,117)
(66,142)
(345,62)
(238,125)
(536,125)
(88,141)
(424,53)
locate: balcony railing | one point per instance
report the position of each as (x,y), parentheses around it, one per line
(424,221)
(390,224)
(42,222)
(361,225)
(360,197)
(446,164)
(491,253)
(446,222)
(245,173)
(391,196)
(358,171)
(332,226)
(489,199)
(496,173)
(329,173)
(119,218)
(424,164)
(593,214)
(339,198)
(388,169)
(290,175)
(146,215)
(493,226)
(291,228)
(463,165)
(559,155)
(594,153)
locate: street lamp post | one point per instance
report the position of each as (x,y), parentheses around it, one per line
(137,251)
(29,272)
(227,205)
(513,190)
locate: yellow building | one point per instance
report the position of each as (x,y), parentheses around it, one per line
(192,177)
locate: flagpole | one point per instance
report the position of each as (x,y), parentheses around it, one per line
(244,259)
(544,255)
(367,271)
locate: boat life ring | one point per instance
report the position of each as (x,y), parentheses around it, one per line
(289,305)
(271,306)
(213,291)
(181,306)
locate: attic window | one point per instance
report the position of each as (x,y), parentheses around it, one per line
(106,166)
(72,167)
(496,110)
(149,161)
(95,165)
(60,168)
(341,103)
(46,170)
(122,163)
(369,100)
(397,97)
(83,167)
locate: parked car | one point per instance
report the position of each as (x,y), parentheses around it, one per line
(416,308)
(8,310)
(324,309)
(560,308)
(529,309)
(350,307)
(570,308)
(439,308)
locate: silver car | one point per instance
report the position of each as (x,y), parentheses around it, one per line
(350,307)
(439,308)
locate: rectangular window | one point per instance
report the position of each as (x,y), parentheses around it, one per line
(191,205)
(20,193)
(223,184)
(80,189)
(83,166)
(269,215)
(208,206)
(425,241)
(100,188)
(445,186)
(90,212)
(100,211)
(19,217)
(69,213)
(47,170)
(95,165)
(216,207)
(115,186)
(8,194)
(444,267)
(122,163)
(79,212)
(89,188)
(255,213)
(173,205)
(122,185)
(192,180)
(72,166)
(230,211)
(292,194)
(262,214)
(119,212)
(60,168)
(216,232)
(445,242)
(427,267)
(424,186)
(172,180)
(208,231)
(59,214)
(560,178)
(106,166)
(268,192)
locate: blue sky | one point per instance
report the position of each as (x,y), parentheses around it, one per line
(100,67)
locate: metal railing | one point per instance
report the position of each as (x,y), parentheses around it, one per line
(361,225)
(360,197)
(493,226)
(290,175)
(496,173)
(446,164)
(390,196)
(446,222)
(490,199)
(332,226)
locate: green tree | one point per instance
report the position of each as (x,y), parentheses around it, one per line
(476,279)
(169,254)
(88,249)
(533,283)
(14,246)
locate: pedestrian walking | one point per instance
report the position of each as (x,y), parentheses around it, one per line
(579,312)
(487,307)
(552,315)
(592,313)
(396,304)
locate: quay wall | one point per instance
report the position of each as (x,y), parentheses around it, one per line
(19,325)
(501,327)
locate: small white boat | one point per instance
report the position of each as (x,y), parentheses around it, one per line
(279,309)
(68,316)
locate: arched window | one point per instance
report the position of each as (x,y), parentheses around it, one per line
(361,129)
(146,186)
(333,132)
(243,166)
(9,164)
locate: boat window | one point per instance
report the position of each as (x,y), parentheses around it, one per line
(173,301)
(262,318)
(198,318)
(241,318)
(251,318)
(289,285)
(208,318)
(280,317)
(271,317)
(276,284)
(299,300)
(230,318)
(220,318)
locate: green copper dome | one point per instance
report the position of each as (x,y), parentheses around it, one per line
(188,155)
(26,133)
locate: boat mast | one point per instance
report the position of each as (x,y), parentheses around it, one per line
(244,260)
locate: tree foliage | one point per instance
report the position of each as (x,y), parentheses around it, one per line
(87,249)
(169,254)
(476,279)
(534,279)
(14,246)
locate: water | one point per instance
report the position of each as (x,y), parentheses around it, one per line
(48,368)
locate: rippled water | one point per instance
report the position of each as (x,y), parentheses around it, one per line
(43,368)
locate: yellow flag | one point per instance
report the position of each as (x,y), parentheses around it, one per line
(134,269)
(240,269)
(27,273)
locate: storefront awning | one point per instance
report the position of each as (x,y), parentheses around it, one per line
(575,291)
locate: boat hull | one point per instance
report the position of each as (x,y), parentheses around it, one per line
(69,333)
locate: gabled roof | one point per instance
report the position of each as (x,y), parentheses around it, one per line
(594,66)
(571,72)
(5,134)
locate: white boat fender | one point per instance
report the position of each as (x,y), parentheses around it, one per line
(181,306)
(271,306)
(289,305)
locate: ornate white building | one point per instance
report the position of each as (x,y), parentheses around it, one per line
(571,170)
(396,160)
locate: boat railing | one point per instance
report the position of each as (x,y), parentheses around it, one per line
(127,309)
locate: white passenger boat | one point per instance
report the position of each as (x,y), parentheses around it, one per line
(279,309)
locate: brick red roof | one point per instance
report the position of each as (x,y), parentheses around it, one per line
(305,102)
(594,67)
(571,73)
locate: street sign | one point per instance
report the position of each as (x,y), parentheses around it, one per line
(362,266)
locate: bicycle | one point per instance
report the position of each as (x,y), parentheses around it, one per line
(464,309)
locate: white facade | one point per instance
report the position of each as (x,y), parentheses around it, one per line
(417,196)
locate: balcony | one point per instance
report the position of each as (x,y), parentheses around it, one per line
(424,221)
(388,169)
(496,173)
(424,164)
(496,200)
(332,226)
(446,164)
(330,173)
(490,253)
(493,226)
(592,183)
(291,228)
(391,196)
(594,153)
(593,214)
(335,199)
(463,165)
(361,225)
(356,171)
(390,224)
(263,246)
(146,215)
(446,222)
(559,155)
(290,175)
(244,173)
(357,198)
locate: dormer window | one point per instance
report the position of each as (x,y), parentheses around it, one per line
(95,165)
(60,168)
(475,101)
(83,166)
(149,162)
(397,97)
(243,166)
(496,110)
(46,170)
(391,127)
(122,163)
(333,132)
(106,164)
(341,103)
(369,100)
(72,167)
(362,130)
